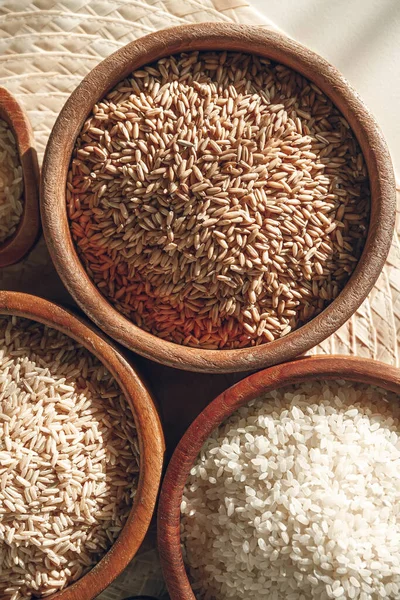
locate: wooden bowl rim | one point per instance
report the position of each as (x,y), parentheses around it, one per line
(150,435)
(311,368)
(216,36)
(13,249)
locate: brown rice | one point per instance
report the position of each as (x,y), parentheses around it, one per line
(68,460)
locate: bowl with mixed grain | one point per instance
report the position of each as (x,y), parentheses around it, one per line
(216,197)
(81,453)
(287,486)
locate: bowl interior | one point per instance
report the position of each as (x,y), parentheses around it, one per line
(150,437)
(216,37)
(305,369)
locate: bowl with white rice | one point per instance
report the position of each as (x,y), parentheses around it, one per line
(286,487)
(81,453)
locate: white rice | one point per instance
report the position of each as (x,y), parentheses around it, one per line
(68,460)
(11,183)
(297,497)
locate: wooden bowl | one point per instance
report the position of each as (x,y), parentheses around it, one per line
(215,36)
(305,369)
(13,249)
(150,434)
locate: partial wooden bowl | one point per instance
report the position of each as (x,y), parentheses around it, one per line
(150,434)
(13,249)
(215,36)
(306,369)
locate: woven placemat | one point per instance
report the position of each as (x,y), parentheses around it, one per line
(46,48)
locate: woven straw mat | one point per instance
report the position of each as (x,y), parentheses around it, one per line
(46,48)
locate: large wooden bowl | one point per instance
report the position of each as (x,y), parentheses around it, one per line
(216,36)
(13,249)
(150,434)
(305,369)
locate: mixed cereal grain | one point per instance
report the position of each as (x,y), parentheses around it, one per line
(68,460)
(218,199)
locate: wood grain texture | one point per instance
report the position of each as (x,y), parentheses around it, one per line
(311,368)
(216,36)
(21,242)
(150,434)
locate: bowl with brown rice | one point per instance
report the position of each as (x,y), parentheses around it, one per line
(287,486)
(217,197)
(81,454)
